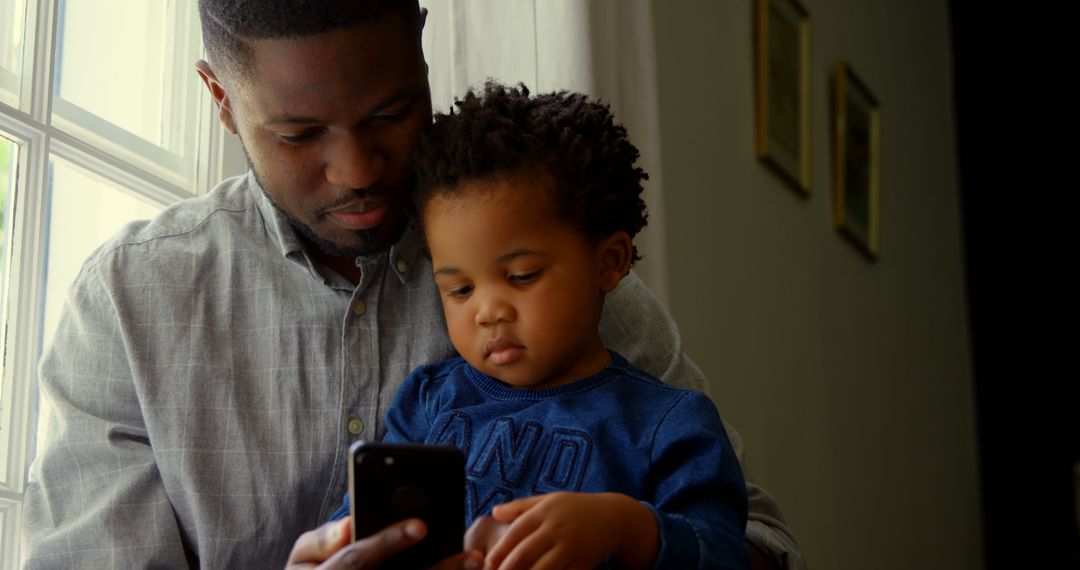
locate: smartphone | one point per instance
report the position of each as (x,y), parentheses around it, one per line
(390,482)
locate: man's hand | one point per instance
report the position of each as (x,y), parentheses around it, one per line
(573,530)
(328,547)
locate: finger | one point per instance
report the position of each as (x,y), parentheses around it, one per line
(515,533)
(317,545)
(562,558)
(527,552)
(507,512)
(468,560)
(557,558)
(373,550)
(483,533)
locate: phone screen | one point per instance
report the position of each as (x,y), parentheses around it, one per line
(394,482)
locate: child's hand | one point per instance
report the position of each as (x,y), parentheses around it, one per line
(573,530)
(484,533)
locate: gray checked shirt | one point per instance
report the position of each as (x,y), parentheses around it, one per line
(207,379)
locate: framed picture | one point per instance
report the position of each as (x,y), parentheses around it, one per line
(857,160)
(782,70)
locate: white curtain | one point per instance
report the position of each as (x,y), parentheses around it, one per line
(601,47)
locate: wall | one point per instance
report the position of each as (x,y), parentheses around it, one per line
(849,380)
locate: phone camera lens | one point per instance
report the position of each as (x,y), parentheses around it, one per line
(409,501)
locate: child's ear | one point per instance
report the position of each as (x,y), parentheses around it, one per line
(616,253)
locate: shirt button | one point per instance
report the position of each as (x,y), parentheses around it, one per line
(359,308)
(402,266)
(355,426)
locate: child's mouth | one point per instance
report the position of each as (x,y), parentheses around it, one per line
(501,351)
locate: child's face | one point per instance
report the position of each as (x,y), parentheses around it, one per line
(522,291)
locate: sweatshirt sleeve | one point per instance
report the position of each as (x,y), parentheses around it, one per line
(699,496)
(637,327)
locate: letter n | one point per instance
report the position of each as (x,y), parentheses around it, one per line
(508,447)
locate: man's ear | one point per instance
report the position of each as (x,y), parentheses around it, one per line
(420,33)
(217,91)
(616,252)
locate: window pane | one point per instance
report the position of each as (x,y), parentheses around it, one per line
(124,72)
(12,25)
(8,156)
(115,75)
(8,161)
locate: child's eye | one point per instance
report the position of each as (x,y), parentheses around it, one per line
(459,291)
(522,278)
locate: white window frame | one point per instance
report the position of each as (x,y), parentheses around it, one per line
(38,137)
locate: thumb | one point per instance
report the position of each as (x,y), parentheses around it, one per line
(317,545)
(507,512)
(337,536)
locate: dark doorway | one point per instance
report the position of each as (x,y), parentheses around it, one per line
(1016,183)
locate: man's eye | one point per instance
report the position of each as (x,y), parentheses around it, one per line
(394,113)
(387,117)
(460,291)
(300,137)
(522,278)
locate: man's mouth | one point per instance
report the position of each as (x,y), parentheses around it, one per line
(501,350)
(359,214)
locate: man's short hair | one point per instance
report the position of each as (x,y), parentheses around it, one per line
(227,24)
(567,136)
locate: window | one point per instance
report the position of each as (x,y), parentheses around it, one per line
(102,121)
(12,20)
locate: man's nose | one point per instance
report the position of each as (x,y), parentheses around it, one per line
(355,162)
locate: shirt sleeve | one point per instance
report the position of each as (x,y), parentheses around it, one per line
(637,327)
(699,495)
(95,498)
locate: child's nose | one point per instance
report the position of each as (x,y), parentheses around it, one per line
(495,310)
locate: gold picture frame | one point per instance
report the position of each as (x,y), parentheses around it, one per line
(782,72)
(856,161)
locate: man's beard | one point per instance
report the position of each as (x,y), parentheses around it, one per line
(369,239)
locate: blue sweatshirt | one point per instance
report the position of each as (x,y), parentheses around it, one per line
(620,430)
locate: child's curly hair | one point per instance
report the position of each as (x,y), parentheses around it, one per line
(574,140)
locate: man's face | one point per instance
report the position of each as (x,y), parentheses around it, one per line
(329,123)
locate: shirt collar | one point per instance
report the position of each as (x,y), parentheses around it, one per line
(276,223)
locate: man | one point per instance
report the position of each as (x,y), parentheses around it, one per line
(213,365)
